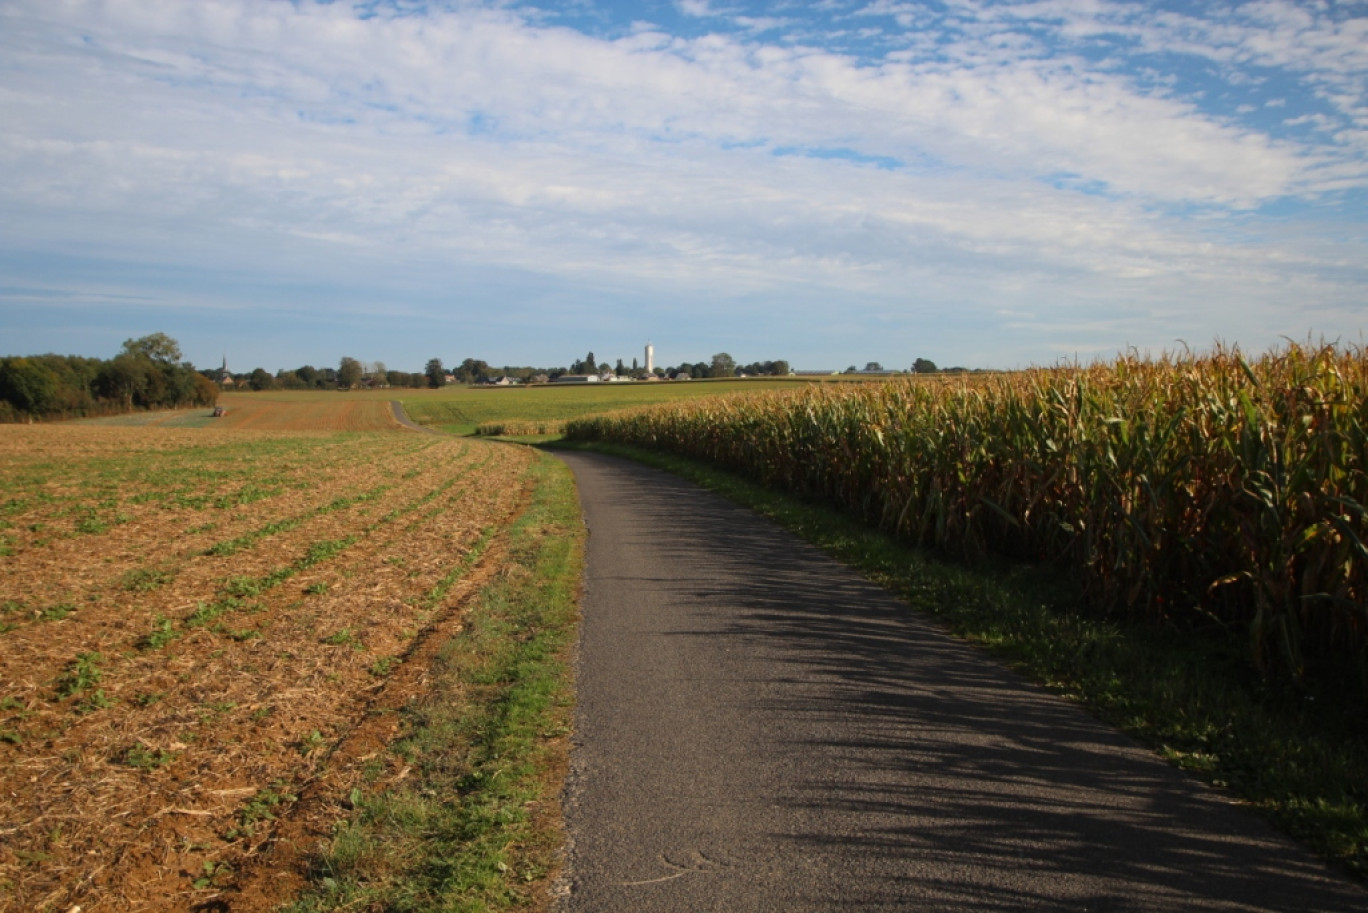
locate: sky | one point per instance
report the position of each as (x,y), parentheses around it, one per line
(984,184)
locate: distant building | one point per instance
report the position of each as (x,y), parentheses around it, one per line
(577,379)
(650,358)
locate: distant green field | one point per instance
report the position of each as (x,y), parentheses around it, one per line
(199,417)
(461,409)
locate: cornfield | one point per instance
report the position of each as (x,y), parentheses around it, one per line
(520,427)
(1184,489)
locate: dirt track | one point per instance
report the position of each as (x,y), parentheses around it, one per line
(761,730)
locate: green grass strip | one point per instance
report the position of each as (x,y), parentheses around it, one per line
(476,825)
(1299,757)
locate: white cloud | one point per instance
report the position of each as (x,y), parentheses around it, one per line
(698,8)
(1019,120)
(266,132)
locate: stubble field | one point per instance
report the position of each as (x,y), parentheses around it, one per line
(204,635)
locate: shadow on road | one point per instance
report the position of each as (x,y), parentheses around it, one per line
(875,762)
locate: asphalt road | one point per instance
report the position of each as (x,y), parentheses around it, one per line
(759,729)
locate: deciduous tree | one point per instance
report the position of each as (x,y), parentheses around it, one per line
(349,372)
(29,387)
(157,347)
(436,374)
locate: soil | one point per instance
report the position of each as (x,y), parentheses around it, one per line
(206,636)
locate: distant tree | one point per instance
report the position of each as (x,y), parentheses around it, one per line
(590,366)
(143,375)
(852,370)
(260,380)
(873,367)
(349,372)
(157,347)
(289,380)
(472,371)
(772,368)
(74,377)
(436,374)
(723,365)
(28,387)
(206,391)
(924,366)
(129,380)
(377,374)
(75,394)
(310,376)
(148,374)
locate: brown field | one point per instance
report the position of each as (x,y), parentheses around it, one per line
(204,635)
(307,413)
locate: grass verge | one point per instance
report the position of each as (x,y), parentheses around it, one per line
(476,826)
(1300,758)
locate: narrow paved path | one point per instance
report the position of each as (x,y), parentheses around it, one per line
(760,730)
(402,418)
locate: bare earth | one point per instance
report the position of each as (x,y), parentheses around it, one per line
(205,635)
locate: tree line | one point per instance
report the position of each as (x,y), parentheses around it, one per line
(350,374)
(148,373)
(478,371)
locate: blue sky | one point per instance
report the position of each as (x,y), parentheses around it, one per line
(979,183)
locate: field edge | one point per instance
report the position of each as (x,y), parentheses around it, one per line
(477,826)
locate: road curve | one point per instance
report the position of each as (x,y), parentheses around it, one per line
(759,729)
(402,418)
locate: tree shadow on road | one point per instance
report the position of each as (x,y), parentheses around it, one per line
(922,766)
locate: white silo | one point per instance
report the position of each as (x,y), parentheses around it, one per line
(650,358)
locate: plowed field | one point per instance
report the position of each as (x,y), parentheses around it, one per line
(317,412)
(204,634)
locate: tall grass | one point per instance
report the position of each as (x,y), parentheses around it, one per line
(1192,490)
